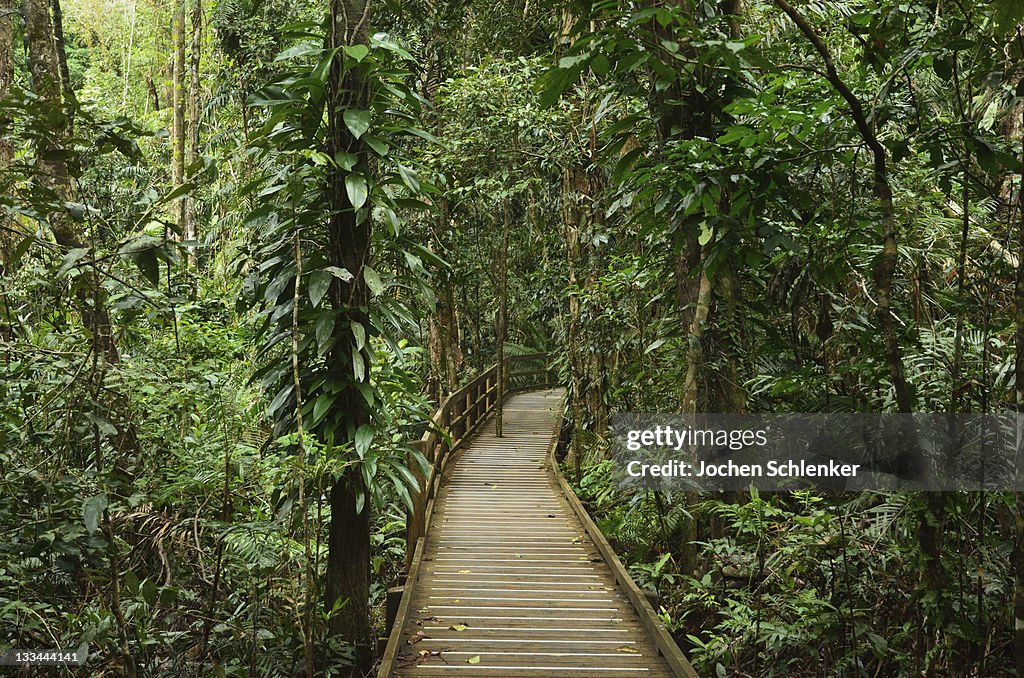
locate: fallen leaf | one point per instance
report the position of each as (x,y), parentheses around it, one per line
(628,649)
(494,487)
(417,637)
(459,627)
(577,540)
(473,660)
(424,653)
(464,571)
(457,600)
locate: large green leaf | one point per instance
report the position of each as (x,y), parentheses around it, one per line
(364,437)
(357,121)
(357,52)
(357,189)
(373,280)
(319,283)
(92,511)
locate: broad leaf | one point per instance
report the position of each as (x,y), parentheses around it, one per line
(358,191)
(92,511)
(357,121)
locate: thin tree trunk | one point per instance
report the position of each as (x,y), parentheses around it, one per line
(191,230)
(1018,496)
(8,15)
(730,395)
(453,352)
(445,342)
(930,527)
(7,18)
(501,321)
(154,94)
(571,217)
(114,564)
(445,345)
(885,268)
(436,382)
(347,582)
(691,402)
(178,105)
(129,52)
(692,399)
(67,90)
(435,343)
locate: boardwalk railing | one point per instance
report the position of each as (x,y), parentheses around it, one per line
(455,420)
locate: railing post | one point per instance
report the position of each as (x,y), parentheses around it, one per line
(478,404)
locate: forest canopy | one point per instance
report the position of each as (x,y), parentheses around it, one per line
(247,247)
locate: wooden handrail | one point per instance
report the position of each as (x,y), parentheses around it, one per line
(652,624)
(455,420)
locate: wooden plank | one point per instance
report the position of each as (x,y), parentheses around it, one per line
(508,573)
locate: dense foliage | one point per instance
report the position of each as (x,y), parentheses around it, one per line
(247,245)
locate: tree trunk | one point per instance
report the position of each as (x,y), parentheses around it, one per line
(445,341)
(596,384)
(1018,496)
(692,399)
(453,352)
(930,526)
(573,193)
(501,319)
(153,93)
(436,386)
(178,104)
(347,583)
(53,173)
(729,395)
(67,90)
(677,111)
(7,17)
(191,231)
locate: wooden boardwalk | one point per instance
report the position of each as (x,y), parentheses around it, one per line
(510,582)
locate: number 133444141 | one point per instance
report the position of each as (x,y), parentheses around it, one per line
(21,657)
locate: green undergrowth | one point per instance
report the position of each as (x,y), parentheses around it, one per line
(811,584)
